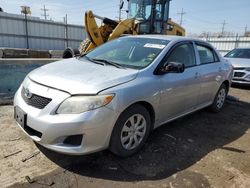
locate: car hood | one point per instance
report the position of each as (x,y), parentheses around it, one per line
(81,76)
(239,62)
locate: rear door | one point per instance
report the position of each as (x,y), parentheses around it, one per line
(211,72)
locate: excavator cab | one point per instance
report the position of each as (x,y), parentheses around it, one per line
(151,15)
(144,17)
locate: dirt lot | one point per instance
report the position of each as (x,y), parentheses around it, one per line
(199,150)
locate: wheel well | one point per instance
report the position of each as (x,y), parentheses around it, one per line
(226,82)
(150,109)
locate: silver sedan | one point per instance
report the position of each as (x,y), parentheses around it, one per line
(115,95)
(240,59)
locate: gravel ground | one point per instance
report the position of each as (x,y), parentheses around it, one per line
(200,150)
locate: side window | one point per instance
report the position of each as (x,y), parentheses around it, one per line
(183,54)
(206,54)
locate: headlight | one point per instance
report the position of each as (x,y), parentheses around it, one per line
(247,78)
(79,104)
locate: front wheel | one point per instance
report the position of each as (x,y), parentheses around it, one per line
(219,99)
(131,131)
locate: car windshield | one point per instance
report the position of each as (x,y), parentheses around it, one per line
(129,52)
(239,53)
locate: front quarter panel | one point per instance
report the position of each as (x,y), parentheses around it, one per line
(145,88)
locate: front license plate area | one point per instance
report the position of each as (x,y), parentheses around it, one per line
(20,116)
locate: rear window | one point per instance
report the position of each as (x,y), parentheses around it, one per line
(239,53)
(207,55)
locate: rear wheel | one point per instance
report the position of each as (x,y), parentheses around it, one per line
(131,131)
(219,99)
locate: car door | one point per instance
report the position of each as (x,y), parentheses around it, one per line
(179,91)
(211,72)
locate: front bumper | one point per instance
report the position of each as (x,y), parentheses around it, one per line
(95,126)
(241,82)
(241,77)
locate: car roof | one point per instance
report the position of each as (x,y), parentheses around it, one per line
(167,37)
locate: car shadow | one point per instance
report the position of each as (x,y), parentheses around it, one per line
(240,86)
(169,149)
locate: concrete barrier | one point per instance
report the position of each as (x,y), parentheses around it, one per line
(1,53)
(14,53)
(12,73)
(56,53)
(23,53)
(39,54)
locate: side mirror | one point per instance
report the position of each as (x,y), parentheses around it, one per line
(173,67)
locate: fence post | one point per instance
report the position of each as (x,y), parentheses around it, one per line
(236,41)
(26,31)
(66,31)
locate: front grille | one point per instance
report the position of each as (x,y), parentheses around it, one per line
(36,100)
(239,74)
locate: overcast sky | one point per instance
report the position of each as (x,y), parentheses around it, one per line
(200,15)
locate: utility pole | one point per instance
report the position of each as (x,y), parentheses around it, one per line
(182,13)
(120,9)
(223,27)
(245,29)
(44,12)
(26,10)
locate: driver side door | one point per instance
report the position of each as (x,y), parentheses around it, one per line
(180,91)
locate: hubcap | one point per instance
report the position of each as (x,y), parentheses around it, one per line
(133,131)
(221,98)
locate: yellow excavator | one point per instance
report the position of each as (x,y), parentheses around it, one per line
(144,17)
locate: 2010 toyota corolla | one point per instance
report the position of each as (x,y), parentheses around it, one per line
(115,95)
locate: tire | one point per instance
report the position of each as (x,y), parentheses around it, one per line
(70,52)
(123,139)
(219,99)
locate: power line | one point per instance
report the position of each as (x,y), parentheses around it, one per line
(44,12)
(182,13)
(223,27)
(202,20)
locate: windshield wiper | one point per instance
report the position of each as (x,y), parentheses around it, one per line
(110,63)
(93,60)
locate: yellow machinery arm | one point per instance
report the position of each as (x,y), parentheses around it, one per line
(145,17)
(109,30)
(92,29)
